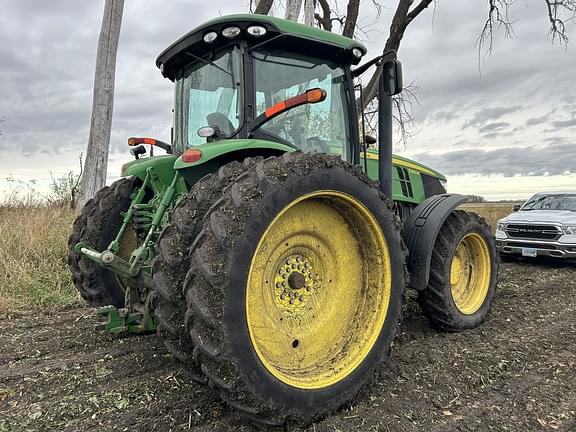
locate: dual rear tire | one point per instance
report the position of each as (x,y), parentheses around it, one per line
(294,288)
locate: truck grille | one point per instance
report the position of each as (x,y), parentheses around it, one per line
(541,232)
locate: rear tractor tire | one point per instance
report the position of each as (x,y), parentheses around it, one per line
(170,266)
(96,226)
(463,274)
(295,288)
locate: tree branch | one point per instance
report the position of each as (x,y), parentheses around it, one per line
(326,19)
(556,10)
(351,18)
(263,7)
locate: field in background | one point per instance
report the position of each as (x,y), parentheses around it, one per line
(33,271)
(492,212)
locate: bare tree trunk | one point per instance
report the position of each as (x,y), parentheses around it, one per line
(293,9)
(309,6)
(263,7)
(351,18)
(96,163)
(402,18)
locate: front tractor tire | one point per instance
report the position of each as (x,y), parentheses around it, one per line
(463,274)
(96,226)
(295,288)
(170,266)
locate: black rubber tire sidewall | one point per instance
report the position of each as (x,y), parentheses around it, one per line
(240,345)
(458,320)
(96,229)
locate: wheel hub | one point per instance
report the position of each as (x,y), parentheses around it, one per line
(318,290)
(295,281)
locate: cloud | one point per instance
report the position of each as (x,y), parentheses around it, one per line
(491,127)
(488,114)
(564,123)
(511,161)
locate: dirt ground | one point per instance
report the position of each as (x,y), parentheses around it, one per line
(515,373)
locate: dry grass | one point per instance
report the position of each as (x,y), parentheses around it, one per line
(33,270)
(492,212)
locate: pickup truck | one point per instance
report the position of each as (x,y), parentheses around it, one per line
(545,225)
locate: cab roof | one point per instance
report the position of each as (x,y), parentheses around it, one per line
(298,37)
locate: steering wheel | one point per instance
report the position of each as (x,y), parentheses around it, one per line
(221,123)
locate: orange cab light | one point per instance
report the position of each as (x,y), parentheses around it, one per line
(132,141)
(191,155)
(315,95)
(311,96)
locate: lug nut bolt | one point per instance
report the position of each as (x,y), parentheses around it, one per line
(301,298)
(291,301)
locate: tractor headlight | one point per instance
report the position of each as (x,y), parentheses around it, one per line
(210,37)
(256,30)
(231,32)
(357,52)
(569,229)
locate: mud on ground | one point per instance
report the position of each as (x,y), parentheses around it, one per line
(515,373)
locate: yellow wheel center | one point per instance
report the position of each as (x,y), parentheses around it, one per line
(318,290)
(470,273)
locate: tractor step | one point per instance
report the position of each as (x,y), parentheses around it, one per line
(117,321)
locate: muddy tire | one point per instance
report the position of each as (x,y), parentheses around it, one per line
(301,258)
(96,226)
(169,268)
(463,274)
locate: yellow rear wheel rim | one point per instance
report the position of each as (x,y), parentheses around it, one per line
(318,290)
(470,273)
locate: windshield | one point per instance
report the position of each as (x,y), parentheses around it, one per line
(207,94)
(551,202)
(323,126)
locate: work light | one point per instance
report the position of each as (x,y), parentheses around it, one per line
(210,37)
(256,30)
(231,32)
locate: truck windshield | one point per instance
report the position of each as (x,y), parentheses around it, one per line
(323,126)
(207,94)
(551,202)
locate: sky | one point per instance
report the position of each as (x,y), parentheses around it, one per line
(501,125)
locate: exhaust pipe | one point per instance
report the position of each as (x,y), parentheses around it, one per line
(389,84)
(384,138)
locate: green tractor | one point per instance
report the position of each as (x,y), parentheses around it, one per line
(271,246)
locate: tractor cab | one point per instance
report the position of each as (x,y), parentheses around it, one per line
(257,77)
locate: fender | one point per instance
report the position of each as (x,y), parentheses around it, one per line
(420,231)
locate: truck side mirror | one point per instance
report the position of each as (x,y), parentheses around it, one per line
(516,207)
(392,75)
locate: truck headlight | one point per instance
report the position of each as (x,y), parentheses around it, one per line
(569,229)
(500,226)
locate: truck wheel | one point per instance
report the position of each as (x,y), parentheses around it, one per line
(295,288)
(96,226)
(463,274)
(173,261)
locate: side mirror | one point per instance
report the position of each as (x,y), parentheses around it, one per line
(369,139)
(516,207)
(138,151)
(392,76)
